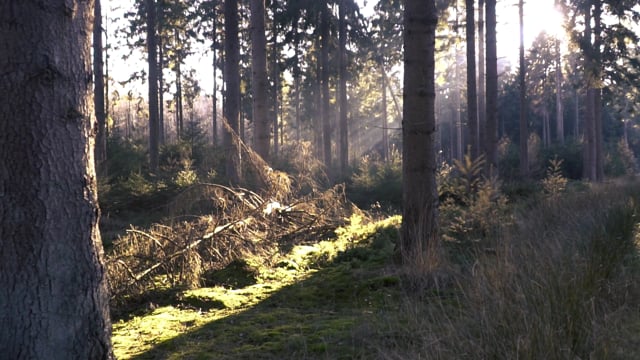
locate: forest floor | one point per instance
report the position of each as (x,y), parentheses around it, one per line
(316,302)
(346,297)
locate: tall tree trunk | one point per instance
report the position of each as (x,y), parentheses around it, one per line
(101,117)
(577,117)
(472,101)
(214,113)
(597,91)
(482,108)
(232,93)
(54,301)
(419,194)
(491,143)
(546,128)
(276,96)
(161,130)
(456,89)
(106,83)
(152,47)
(342,64)
(214,97)
(317,119)
(589,153)
(524,128)
(326,110)
(385,117)
(559,107)
(259,84)
(179,100)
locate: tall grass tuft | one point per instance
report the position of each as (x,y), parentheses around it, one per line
(562,284)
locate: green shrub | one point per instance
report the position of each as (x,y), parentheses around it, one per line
(377,181)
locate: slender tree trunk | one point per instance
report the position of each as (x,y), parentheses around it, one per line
(590,170)
(232,93)
(179,103)
(342,64)
(276,96)
(472,100)
(106,83)
(385,116)
(419,242)
(491,144)
(54,301)
(577,118)
(326,110)
(259,84)
(161,129)
(456,89)
(546,128)
(559,107)
(296,74)
(524,127)
(101,118)
(152,47)
(482,108)
(317,119)
(597,93)
(214,113)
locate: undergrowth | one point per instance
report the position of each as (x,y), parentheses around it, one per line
(561,283)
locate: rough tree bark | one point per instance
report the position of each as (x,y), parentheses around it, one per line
(53,292)
(259,84)
(419,194)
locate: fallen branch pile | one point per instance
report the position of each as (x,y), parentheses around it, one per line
(236,223)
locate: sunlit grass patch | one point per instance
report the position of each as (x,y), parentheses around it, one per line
(304,303)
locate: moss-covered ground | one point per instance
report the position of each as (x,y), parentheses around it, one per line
(311,302)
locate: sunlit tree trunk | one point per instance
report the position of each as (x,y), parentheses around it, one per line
(419,195)
(524,128)
(472,101)
(54,302)
(232,93)
(152,60)
(259,85)
(491,141)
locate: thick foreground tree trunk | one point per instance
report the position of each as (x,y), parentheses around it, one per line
(53,293)
(419,192)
